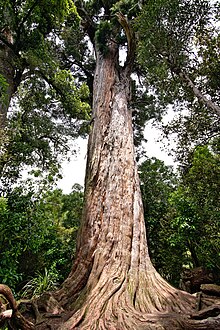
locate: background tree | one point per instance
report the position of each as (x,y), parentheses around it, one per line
(48,105)
(168,29)
(183,220)
(24,28)
(179,48)
(181,213)
(195,222)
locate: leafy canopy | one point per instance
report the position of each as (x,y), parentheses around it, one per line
(179,39)
(48,106)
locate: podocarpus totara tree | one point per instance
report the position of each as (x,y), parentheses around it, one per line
(113,284)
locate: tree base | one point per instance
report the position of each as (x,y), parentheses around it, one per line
(148,322)
(157,307)
(46,314)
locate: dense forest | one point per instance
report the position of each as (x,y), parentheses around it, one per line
(133,248)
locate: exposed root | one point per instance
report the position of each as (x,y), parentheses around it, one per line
(211,311)
(140,301)
(118,302)
(14,318)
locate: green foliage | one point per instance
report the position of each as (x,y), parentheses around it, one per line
(48,106)
(166,30)
(72,207)
(182,217)
(33,141)
(3,89)
(194,128)
(182,36)
(103,34)
(131,8)
(185,225)
(203,181)
(37,233)
(14,238)
(208,43)
(195,221)
(39,15)
(55,86)
(108,8)
(41,283)
(158,181)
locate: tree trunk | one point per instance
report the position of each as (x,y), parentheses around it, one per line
(6,93)
(8,72)
(113,284)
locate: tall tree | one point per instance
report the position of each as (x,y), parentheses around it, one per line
(196,203)
(23,27)
(113,284)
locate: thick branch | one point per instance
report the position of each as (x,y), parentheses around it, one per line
(130,40)
(86,21)
(211,105)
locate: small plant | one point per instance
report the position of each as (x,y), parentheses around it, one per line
(41,283)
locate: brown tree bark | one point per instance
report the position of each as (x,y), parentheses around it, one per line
(113,284)
(8,72)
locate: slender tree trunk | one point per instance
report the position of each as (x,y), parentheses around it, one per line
(113,284)
(201,97)
(7,91)
(4,105)
(7,71)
